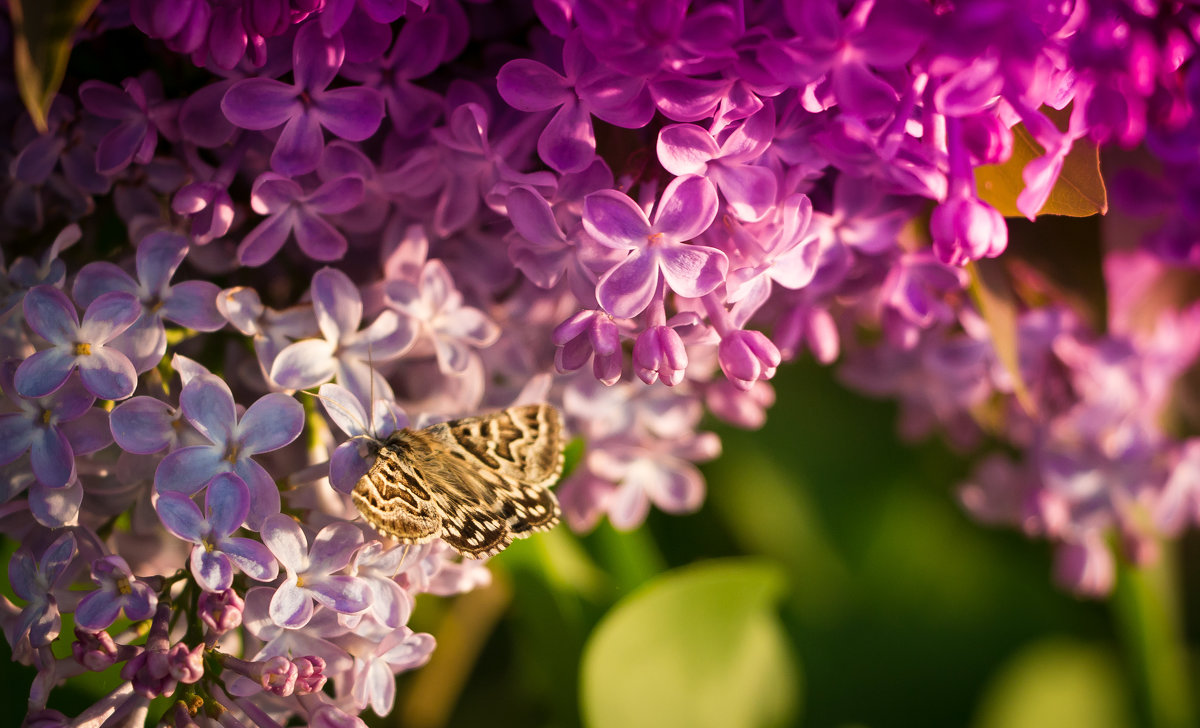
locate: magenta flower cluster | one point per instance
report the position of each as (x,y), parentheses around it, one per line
(634,210)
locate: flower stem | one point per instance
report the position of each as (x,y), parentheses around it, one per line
(1146,609)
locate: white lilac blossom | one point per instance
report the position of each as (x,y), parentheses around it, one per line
(685,194)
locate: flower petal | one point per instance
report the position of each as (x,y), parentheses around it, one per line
(51,314)
(108,316)
(44,372)
(333,547)
(52,459)
(227,501)
(189,469)
(272,422)
(181,516)
(692,270)
(615,220)
(194,304)
(284,537)
(337,304)
(255,560)
(107,373)
(208,404)
(298,150)
(212,569)
(304,364)
(142,425)
(626,290)
(345,594)
(352,113)
(687,208)
(260,103)
(291,606)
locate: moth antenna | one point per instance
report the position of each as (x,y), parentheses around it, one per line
(371,393)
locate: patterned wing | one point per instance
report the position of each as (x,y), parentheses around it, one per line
(394,498)
(497,476)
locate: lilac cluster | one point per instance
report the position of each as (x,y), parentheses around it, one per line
(450,207)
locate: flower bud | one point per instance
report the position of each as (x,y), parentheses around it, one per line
(659,353)
(746,357)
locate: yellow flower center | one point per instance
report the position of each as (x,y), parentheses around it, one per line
(123,587)
(83,349)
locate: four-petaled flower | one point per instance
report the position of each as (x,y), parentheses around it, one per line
(216,551)
(657,249)
(53,429)
(270,423)
(310,573)
(190,303)
(345,352)
(106,372)
(35,583)
(352,113)
(119,590)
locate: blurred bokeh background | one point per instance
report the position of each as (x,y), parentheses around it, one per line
(829,580)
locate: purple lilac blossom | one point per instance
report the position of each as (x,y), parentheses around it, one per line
(106,372)
(714,188)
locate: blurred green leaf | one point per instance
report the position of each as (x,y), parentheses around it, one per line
(697,646)
(1057,684)
(1078,192)
(43,33)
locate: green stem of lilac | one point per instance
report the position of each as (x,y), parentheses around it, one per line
(1145,607)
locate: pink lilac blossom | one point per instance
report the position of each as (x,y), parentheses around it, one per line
(685,194)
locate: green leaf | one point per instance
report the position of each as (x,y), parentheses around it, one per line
(697,646)
(994,296)
(43,33)
(1078,192)
(1058,684)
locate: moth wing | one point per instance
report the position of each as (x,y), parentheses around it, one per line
(522,443)
(498,471)
(394,500)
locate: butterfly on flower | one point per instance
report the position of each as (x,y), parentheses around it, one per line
(476,483)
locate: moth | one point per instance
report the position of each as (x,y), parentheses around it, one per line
(476,483)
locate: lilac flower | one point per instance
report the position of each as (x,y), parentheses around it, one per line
(353,458)
(345,352)
(310,573)
(568,142)
(352,113)
(216,551)
(190,303)
(25,273)
(374,681)
(35,583)
(270,423)
(119,591)
(748,189)
(53,429)
(141,114)
(377,565)
(584,334)
(105,371)
(291,211)
(419,48)
(318,637)
(435,306)
(687,207)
